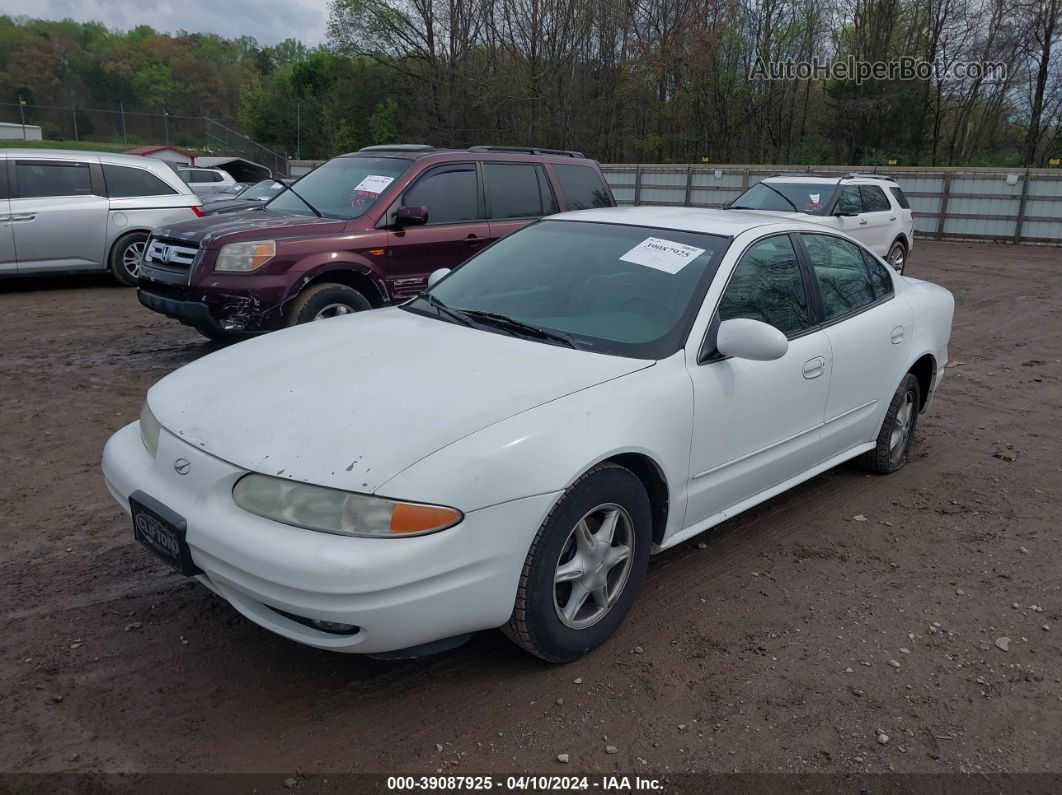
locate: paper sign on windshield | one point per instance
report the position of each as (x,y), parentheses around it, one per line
(664,255)
(374,183)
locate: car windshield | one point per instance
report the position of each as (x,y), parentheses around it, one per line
(344,187)
(812,198)
(609,288)
(261,190)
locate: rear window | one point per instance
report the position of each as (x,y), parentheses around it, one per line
(582,187)
(126,181)
(518,190)
(901,200)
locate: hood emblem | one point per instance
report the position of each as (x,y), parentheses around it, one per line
(182,466)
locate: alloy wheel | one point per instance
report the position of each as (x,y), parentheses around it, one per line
(901,428)
(594,565)
(897,257)
(131,257)
(333,310)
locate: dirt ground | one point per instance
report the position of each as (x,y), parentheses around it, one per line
(785,640)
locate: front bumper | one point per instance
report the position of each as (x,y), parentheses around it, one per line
(399,593)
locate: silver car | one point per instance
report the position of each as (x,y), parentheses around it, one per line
(63,211)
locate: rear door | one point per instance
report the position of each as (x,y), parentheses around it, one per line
(880,229)
(8,260)
(58,214)
(869,330)
(516,194)
(456,227)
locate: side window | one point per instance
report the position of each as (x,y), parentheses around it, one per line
(450,193)
(767,286)
(901,199)
(880,278)
(517,190)
(40,178)
(582,187)
(124,181)
(849,201)
(214,176)
(842,274)
(874,199)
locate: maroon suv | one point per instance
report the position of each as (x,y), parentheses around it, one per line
(360,231)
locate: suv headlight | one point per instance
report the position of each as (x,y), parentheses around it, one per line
(149,430)
(343,513)
(247,256)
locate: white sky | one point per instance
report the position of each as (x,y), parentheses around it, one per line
(269,21)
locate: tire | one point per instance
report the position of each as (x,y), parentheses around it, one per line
(897,431)
(897,256)
(124,262)
(322,301)
(537,624)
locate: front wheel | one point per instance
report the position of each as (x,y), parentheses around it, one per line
(324,301)
(125,258)
(898,256)
(897,431)
(585,566)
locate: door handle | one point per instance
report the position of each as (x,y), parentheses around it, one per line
(471,236)
(22,217)
(813,368)
(863,222)
(897,335)
(892,217)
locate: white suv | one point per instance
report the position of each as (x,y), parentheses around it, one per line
(869,207)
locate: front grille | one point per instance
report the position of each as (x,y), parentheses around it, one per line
(169,254)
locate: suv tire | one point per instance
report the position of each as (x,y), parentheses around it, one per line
(124,262)
(322,301)
(607,492)
(897,256)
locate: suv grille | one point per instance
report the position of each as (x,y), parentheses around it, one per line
(167,254)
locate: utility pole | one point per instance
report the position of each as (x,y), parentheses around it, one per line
(73,112)
(298,131)
(125,138)
(22,115)
(166,125)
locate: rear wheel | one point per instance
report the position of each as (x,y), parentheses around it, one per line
(125,258)
(897,431)
(585,566)
(898,256)
(324,301)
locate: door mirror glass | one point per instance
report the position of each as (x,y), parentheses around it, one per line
(411,215)
(744,338)
(437,276)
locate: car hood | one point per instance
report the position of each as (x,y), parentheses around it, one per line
(350,402)
(213,231)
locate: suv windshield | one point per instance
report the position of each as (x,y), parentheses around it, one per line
(609,288)
(344,187)
(787,197)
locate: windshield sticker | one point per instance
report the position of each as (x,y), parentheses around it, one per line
(663,255)
(813,201)
(374,183)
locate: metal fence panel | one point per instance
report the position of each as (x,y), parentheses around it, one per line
(948,203)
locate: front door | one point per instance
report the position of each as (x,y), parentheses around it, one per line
(757,424)
(456,227)
(58,216)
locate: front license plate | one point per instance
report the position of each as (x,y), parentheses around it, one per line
(162,531)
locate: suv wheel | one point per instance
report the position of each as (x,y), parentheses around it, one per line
(584,567)
(323,301)
(125,258)
(898,256)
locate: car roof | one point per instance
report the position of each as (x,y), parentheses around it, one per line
(728,223)
(83,155)
(821,179)
(484,152)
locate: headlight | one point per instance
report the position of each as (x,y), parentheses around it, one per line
(149,430)
(343,513)
(243,257)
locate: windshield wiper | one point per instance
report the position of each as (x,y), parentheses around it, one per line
(519,327)
(782,195)
(313,209)
(444,310)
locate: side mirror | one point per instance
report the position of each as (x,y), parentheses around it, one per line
(847,211)
(726,205)
(437,276)
(413,215)
(744,338)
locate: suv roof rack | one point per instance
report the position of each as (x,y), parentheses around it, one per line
(867,175)
(398,148)
(528,150)
(821,174)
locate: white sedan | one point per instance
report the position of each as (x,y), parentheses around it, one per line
(508,448)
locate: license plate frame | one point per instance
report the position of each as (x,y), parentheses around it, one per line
(163,531)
